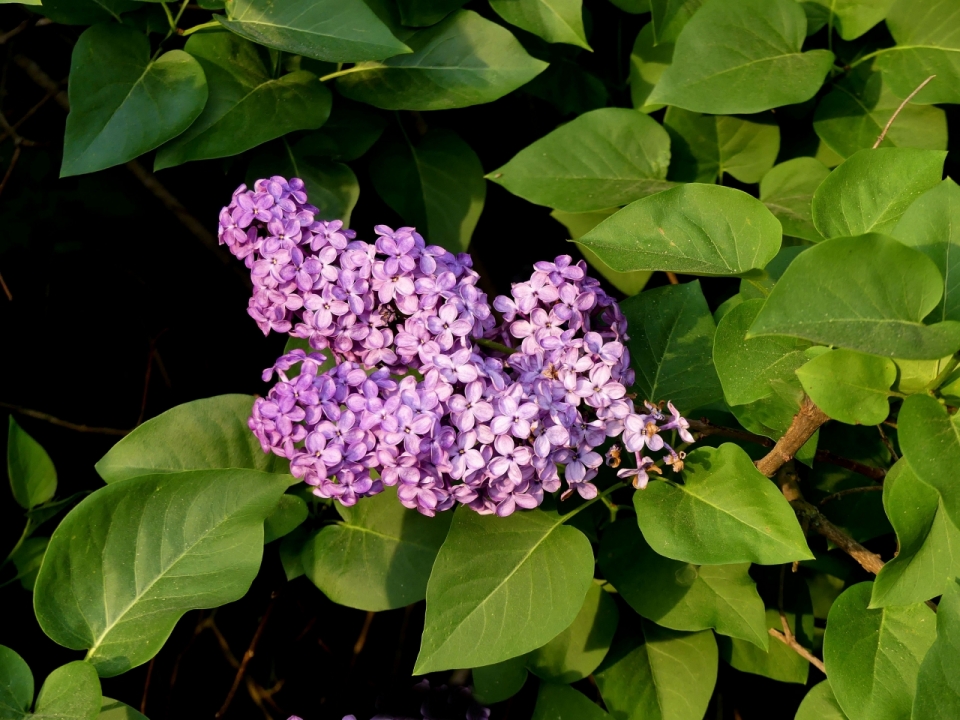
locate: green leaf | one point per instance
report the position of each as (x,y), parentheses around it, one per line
(679,595)
(247,106)
(436,185)
(759,285)
(932,226)
(287,517)
(668,17)
(849,386)
(929,543)
(379,557)
(561,702)
(648,60)
(779,662)
(927,44)
(634,7)
(938,689)
(868,293)
(787,191)
(85,12)
(852,18)
(930,439)
(528,573)
(332,186)
(725,512)
(669,677)
(349,133)
(331,30)
(750,368)
(742,56)
(873,188)
(556,21)
(498,682)
(422,13)
(16,685)
(567,86)
(671,346)
(463,60)
(820,704)
(578,651)
(603,158)
(873,656)
(122,102)
(202,434)
(693,228)
(577,224)
(704,147)
(291,549)
(71,692)
(27,560)
(33,478)
(852,116)
(116,710)
(127,562)
(914,375)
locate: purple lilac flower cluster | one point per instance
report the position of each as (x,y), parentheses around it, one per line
(379,304)
(491,412)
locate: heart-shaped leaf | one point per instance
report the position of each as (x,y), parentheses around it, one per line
(122,102)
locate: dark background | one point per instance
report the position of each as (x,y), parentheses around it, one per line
(119,313)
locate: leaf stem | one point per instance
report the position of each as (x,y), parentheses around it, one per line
(870,56)
(943,375)
(201,26)
(588,503)
(896,112)
(494,345)
(23,536)
(338,73)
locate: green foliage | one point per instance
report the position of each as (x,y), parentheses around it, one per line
(559,21)
(116,710)
(560,702)
(850,386)
(153,547)
(289,514)
(647,63)
(938,692)
(930,439)
(529,574)
(777,662)
(71,692)
(820,704)
(603,158)
(873,656)
(33,479)
(498,682)
(709,519)
(787,191)
(379,557)
(124,103)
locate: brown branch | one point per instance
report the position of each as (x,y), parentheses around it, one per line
(896,112)
(6,290)
(805,424)
(13,33)
(146,685)
(887,444)
(247,656)
(63,423)
(850,491)
(671,277)
(362,639)
(791,642)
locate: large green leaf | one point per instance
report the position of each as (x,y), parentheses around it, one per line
(705,147)
(820,704)
(527,577)
(562,702)
(247,105)
(647,63)
(932,226)
(850,386)
(436,185)
(930,439)
(778,661)
(126,563)
(852,116)
(463,60)
(742,56)
(873,656)
(787,190)
(502,680)
(331,30)
(290,513)
(33,478)
(604,158)
(379,557)
(16,685)
(556,21)
(85,12)
(693,228)
(671,346)
(868,293)
(873,188)
(927,38)
(71,692)
(198,435)
(679,595)
(852,18)
(669,677)
(725,511)
(578,651)
(938,682)
(122,102)
(668,17)
(929,543)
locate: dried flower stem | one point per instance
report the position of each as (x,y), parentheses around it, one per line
(247,656)
(896,112)
(63,423)
(791,642)
(850,491)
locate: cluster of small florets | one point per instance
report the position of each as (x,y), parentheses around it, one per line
(486,414)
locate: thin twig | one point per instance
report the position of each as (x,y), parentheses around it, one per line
(6,290)
(896,112)
(146,686)
(792,643)
(362,639)
(850,491)
(63,423)
(247,656)
(10,167)
(13,33)
(27,115)
(672,277)
(199,628)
